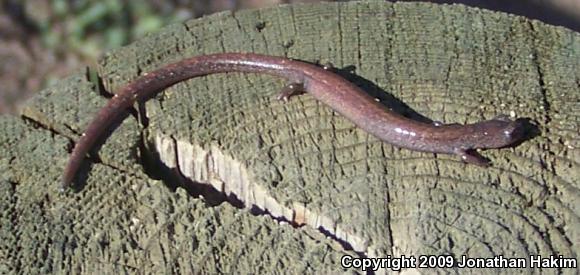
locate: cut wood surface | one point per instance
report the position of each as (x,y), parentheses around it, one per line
(138,210)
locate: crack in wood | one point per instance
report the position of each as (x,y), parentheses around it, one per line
(222,174)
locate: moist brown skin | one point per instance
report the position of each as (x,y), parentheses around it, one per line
(329,88)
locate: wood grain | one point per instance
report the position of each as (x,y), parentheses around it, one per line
(447,63)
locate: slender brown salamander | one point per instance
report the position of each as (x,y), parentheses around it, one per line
(327,87)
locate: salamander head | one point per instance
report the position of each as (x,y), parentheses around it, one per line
(497,133)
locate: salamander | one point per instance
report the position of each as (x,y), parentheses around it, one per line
(329,88)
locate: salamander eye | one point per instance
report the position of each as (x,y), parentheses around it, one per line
(508,132)
(514,131)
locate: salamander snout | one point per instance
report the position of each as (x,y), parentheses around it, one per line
(500,132)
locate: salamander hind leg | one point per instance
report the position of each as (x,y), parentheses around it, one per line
(472,157)
(291,90)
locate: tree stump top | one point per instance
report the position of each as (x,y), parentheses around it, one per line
(354,195)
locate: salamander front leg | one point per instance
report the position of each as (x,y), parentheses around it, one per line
(472,156)
(291,90)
